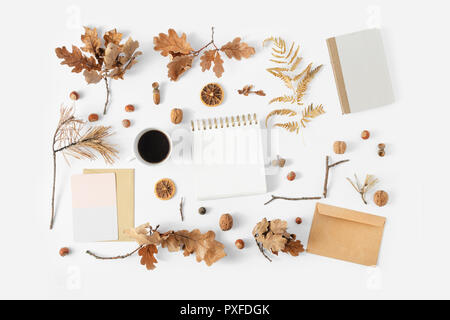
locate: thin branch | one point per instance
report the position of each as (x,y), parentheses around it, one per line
(328,166)
(108,92)
(114,258)
(292,199)
(262,250)
(362,190)
(181,208)
(53,191)
(196,53)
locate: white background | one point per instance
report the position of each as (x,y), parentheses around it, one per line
(414,260)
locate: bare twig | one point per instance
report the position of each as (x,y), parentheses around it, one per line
(260,247)
(328,166)
(196,53)
(181,208)
(108,92)
(292,199)
(114,258)
(363,189)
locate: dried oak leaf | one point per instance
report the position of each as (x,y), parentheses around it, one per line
(148,259)
(171,242)
(111,54)
(112,36)
(91,41)
(294,248)
(218,65)
(178,66)
(76,59)
(171,43)
(92,76)
(207,59)
(237,49)
(278,226)
(274,242)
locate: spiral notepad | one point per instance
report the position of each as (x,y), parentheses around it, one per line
(228,157)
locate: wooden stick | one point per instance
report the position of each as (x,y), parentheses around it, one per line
(114,258)
(181,208)
(328,166)
(292,199)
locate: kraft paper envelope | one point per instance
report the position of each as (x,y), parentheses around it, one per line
(346,235)
(125,198)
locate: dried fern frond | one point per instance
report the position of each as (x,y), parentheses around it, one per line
(290,58)
(301,74)
(285,99)
(363,189)
(311,112)
(303,84)
(295,65)
(281,112)
(289,126)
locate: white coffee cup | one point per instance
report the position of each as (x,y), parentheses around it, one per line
(147,146)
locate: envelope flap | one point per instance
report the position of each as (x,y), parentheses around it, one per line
(350,215)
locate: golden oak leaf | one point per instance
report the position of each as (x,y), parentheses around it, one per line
(274,242)
(92,76)
(278,226)
(237,49)
(171,42)
(129,49)
(148,259)
(112,36)
(218,65)
(91,41)
(189,240)
(76,59)
(178,66)
(111,54)
(207,59)
(294,248)
(261,228)
(208,249)
(172,243)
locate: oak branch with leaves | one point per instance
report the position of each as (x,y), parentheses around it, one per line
(107,60)
(182,55)
(73,139)
(205,247)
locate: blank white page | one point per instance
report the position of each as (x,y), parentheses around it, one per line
(229,162)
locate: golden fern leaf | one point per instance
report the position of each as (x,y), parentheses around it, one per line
(287,80)
(277,61)
(311,112)
(289,126)
(294,56)
(303,85)
(281,112)
(290,51)
(301,74)
(295,65)
(285,99)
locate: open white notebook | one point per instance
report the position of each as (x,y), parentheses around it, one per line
(228,157)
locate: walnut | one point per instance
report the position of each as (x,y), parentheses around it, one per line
(176,116)
(340,147)
(165,189)
(381,198)
(226,222)
(212,95)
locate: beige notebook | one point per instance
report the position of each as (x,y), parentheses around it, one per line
(125,198)
(346,235)
(360,70)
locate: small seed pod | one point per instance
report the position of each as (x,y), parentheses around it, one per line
(156,93)
(381,151)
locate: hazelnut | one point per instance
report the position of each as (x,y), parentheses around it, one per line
(298,220)
(365,135)
(340,147)
(240,244)
(126,123)
(202,211)
(291,176)
(129,108)
(93,117)
(226,222)
(381,198)
(176,116)
(64,252)
(74,96)
(381,151)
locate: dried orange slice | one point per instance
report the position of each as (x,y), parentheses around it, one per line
(165,189)
(212,95)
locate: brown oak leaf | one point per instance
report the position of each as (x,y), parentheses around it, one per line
(207,59)
(112,36)
(148,259)
(178,66)
(76,59)
(278,226)
(129,49)
(218,65)
(274,242)
(294,248)
(261,228)
(92,76)
(91,41)
(111,54)
(171,242)
(171,42)
(237,49)
(208,249)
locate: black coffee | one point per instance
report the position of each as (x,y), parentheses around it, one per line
(154,146)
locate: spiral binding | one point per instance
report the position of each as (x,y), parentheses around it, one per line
(227,122)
